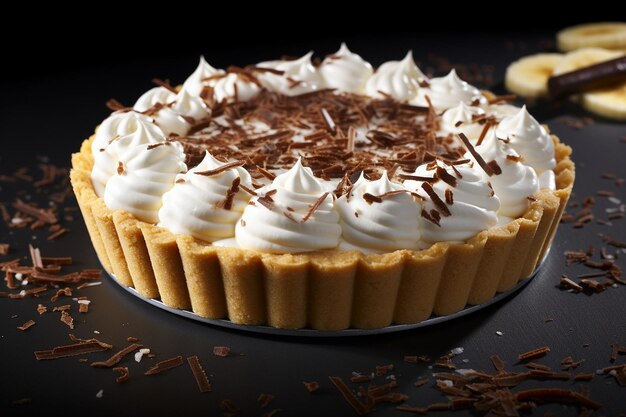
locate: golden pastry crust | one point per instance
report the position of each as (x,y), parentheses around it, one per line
(328,290)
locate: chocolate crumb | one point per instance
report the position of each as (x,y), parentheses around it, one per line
(222,351)
(67,319)
(227,406)
(311,386)
(384,369)
(265,399)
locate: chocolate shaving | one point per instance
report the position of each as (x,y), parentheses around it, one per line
(449,197)
(220,169)
(613,242)
(483,133)
(27,325)
(35,256)
(438,202)
(57,234)
(357,379)
(124,374)
(330,123)
(67,291)
(266,173)
(314,207)
(417,178)
(23,401)
(568,283)
(535,353)
(114,105)
(117,357)
(444,176)
(198,373)
(86,346)
(479,159)
(227,203)
(370,198)
(267,201)
(495,168)
(360,408)
(498,363)
(538,366)
(165,365)
(57,261)
(384,369)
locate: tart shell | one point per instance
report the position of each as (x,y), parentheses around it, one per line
(325,290)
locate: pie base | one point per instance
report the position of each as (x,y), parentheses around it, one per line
(324,290)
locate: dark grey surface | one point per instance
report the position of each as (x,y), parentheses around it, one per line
(52,116)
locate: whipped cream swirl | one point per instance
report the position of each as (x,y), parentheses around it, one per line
(529,139)
(298,76)
(232,87)
(446,92)
(470,200)
(115,136)
(292,214)
(378,226)
(515,184)
(196,82)
(206,206)
(178,117)
(462,119)
(156,95)
(346,71)
(398,79)
(144,174)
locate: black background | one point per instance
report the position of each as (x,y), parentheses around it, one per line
(53,100)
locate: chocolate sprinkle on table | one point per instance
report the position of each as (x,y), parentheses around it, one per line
(165,365)
(198,373)
(117,357)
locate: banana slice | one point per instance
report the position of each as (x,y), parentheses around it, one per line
(528,76)
(610,35)
(607,102)
(583,58)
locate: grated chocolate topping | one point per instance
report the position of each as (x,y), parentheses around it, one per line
(335,134)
